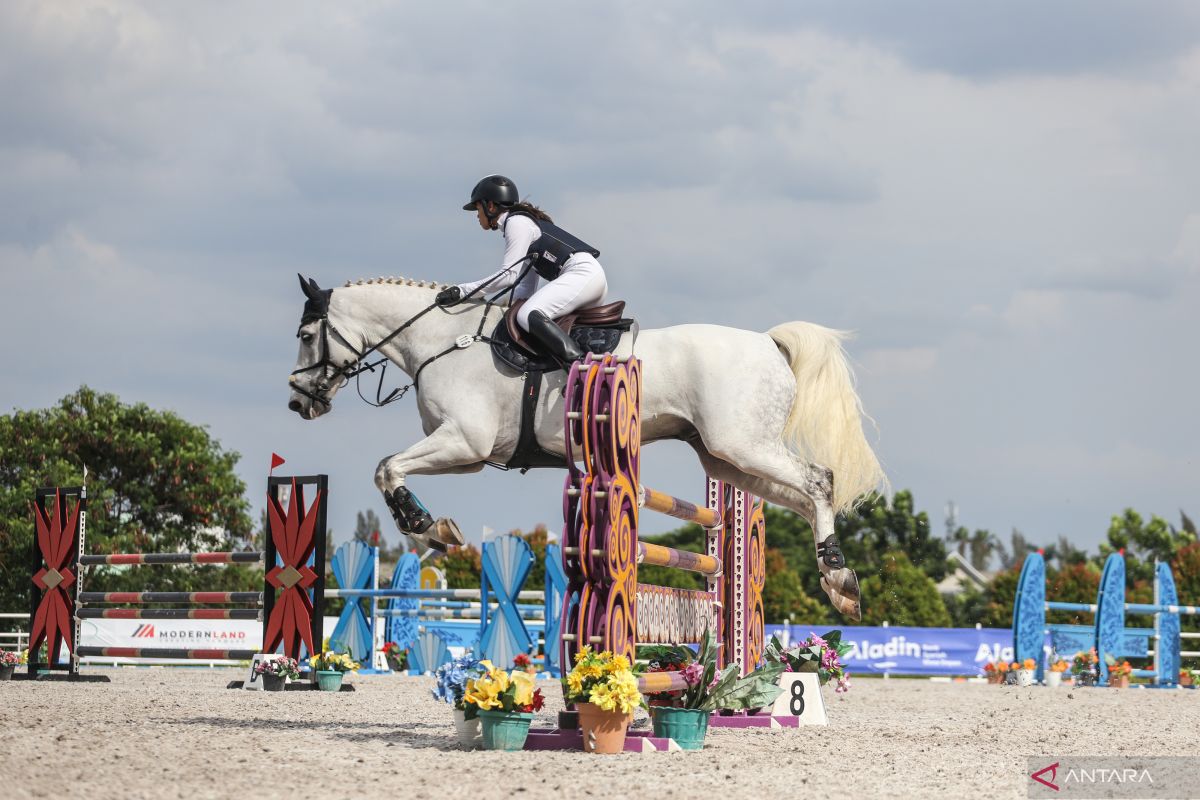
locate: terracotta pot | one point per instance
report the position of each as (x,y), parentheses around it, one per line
(1118,681)
(993,677)
(603,731)
(1185,679)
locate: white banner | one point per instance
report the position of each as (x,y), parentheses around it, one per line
(206,634)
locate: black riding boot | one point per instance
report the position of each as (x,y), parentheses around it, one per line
(560,345)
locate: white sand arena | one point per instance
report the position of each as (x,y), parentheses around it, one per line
(179,733)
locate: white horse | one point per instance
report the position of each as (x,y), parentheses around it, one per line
(775,414)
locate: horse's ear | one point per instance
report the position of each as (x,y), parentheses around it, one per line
(310,288)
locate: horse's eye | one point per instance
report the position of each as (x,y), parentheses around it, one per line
(307,338)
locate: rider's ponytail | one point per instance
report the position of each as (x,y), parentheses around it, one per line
(530,209)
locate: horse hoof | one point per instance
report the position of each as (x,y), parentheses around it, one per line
(446,531)
(842,587)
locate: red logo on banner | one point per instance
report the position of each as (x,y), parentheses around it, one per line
(144,632)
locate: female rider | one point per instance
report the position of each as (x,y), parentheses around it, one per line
(535,247)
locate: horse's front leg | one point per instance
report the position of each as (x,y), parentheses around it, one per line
(445,450)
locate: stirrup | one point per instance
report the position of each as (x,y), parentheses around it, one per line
(830,552)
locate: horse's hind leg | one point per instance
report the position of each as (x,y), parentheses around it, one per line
(775,474)
(443,451)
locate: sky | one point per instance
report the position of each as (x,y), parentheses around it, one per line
(1000,199)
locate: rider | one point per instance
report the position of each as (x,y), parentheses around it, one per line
(534,246)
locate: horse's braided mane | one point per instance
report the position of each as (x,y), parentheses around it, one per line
(399,281)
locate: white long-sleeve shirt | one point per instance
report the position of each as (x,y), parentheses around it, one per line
(519,234)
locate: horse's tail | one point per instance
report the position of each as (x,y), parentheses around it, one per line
(825,424)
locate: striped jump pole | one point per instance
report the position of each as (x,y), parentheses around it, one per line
(680,509)
(680,559)
(448,613)
(170,597)
(169,613)
(423,594)
(179,653)
(115,559)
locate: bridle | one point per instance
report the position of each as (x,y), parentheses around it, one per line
(332,372)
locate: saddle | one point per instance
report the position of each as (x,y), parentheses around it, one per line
(596,330)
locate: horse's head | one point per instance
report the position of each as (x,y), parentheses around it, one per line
(324,358)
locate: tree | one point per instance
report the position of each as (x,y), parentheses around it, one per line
(902,594)
(1144,542)
(367,528)
(784,597)
(1019,548)
(1186,567)
(156,483)
(462,567)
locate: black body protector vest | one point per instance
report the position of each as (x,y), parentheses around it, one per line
(551,250)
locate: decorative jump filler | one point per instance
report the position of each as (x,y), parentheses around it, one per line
(605,607)
(291,604)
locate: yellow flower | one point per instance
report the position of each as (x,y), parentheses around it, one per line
(586,652)
(618,664)
(524,683)
(485,690)
(574,682)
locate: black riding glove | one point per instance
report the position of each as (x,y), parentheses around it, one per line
(448,296)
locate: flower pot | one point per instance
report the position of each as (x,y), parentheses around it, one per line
(1118,681)
(467,730)
(504,730)
(1053,679)
(1024,677)
(394,663)
(329,680)
(993,677)
(687,726)
(273,683)
(1185,679)
(6,671)
(603,731)
(1085,678)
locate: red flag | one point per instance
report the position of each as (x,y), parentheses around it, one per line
(276,460)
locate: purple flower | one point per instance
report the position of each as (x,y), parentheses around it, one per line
(693,673)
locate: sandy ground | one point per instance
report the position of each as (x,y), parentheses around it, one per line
(167,733)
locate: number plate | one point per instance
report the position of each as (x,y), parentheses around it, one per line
(801,698)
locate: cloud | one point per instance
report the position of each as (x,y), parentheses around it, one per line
(999,199)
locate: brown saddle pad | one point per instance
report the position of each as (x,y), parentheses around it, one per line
(607,314)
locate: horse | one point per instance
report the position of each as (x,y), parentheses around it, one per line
(775,414)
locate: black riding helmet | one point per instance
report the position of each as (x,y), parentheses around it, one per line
(497,188)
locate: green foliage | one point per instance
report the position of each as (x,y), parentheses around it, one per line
(730,691)
(689,537)
(156,483)
(1186,567)
(784,597)
(1000,596)
(902,594)
(967,607)
(1145,542)
(462,567)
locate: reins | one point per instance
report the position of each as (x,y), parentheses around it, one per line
(354,368)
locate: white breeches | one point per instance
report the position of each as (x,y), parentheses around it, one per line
(581,285)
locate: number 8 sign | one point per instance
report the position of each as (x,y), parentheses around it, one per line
(801,698)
